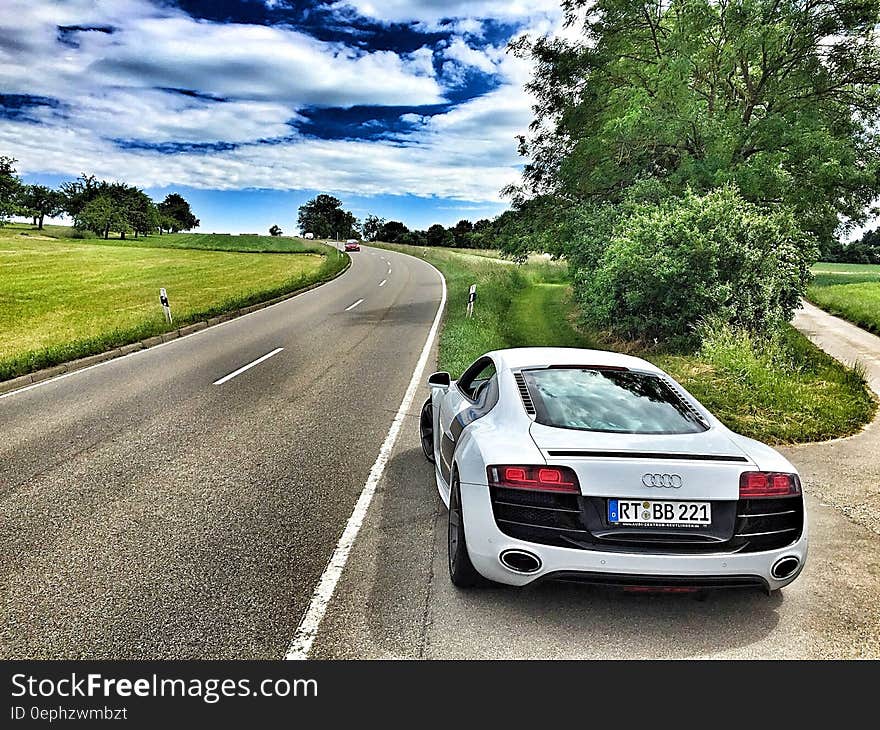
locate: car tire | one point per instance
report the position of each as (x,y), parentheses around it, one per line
(426,430)
(462,572)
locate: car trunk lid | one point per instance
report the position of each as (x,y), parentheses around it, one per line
(693,466)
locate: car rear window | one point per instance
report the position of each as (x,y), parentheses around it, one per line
(617,401)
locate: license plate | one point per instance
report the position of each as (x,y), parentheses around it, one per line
(661,513)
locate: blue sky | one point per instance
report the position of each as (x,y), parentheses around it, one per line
(406,109)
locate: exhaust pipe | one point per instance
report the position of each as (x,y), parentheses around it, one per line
(784,567)
(520,561)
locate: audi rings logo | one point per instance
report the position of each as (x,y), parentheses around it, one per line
(667,481)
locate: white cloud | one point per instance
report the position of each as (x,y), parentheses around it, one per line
(152,47)
(155,116)
(432,12)
(467,154)
(485,59)
(259,63)
(107,84)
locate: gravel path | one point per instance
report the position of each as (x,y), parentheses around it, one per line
(844,473)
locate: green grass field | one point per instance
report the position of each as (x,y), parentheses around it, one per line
(62,298)
(851,291)
(782,390)
(203,241)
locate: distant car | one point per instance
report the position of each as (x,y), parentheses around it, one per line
(597,467)
(309,236)
(352,245)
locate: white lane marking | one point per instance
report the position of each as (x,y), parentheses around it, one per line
(352,306)
(382,283)
(212,328)
(307,630)
(248,366)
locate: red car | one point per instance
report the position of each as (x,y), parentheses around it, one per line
(352,245)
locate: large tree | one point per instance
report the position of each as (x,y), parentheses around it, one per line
(80,192)
(325,217)
(372,226)
(392,231)
(176,212)
(437,235)
(141,212)
(38,201)
(779,97)
(461,232)
(102,214)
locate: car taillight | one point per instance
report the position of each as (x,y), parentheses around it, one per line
(540,478)
(756,484)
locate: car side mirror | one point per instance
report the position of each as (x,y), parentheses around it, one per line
(440,380)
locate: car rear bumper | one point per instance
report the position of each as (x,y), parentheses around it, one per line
(486,544)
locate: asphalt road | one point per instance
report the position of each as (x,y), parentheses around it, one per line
(395,599)
(147,512)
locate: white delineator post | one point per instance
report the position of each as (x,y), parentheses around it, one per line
(163,297)
(472,297)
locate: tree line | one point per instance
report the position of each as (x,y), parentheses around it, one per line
(94,205)
(325,217)
(866,250)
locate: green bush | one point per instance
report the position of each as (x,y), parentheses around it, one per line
(671,263)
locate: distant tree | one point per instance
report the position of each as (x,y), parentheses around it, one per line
(10,185)
(140,211)
(439,236)
(461,231)
(483,234)
(176,211)
(38,201)
(102,215)
(325,217)
(132,203)
(165,222)
(864,251)
(414,238)
(392,232)
(275,231)
(372,226)
(78,193)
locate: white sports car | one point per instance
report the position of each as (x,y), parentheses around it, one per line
(593,466)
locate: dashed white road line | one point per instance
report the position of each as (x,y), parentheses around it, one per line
(352,306)
(242,369)
(308,627)
(382,283)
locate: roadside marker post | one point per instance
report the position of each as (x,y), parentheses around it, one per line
(163,297)
(472,297)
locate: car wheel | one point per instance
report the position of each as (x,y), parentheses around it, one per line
(426,430)
(461,570)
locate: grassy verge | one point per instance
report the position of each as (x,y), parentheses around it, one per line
(62,299)
(781,389)
(851,291)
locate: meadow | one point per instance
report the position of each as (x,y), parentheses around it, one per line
(779,388)
(62,297)
(851,291)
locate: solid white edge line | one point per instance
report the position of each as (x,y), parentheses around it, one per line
(382,283)
(352,306)
(242,369)
(307,630)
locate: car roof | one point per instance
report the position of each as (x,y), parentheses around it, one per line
(525,357)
